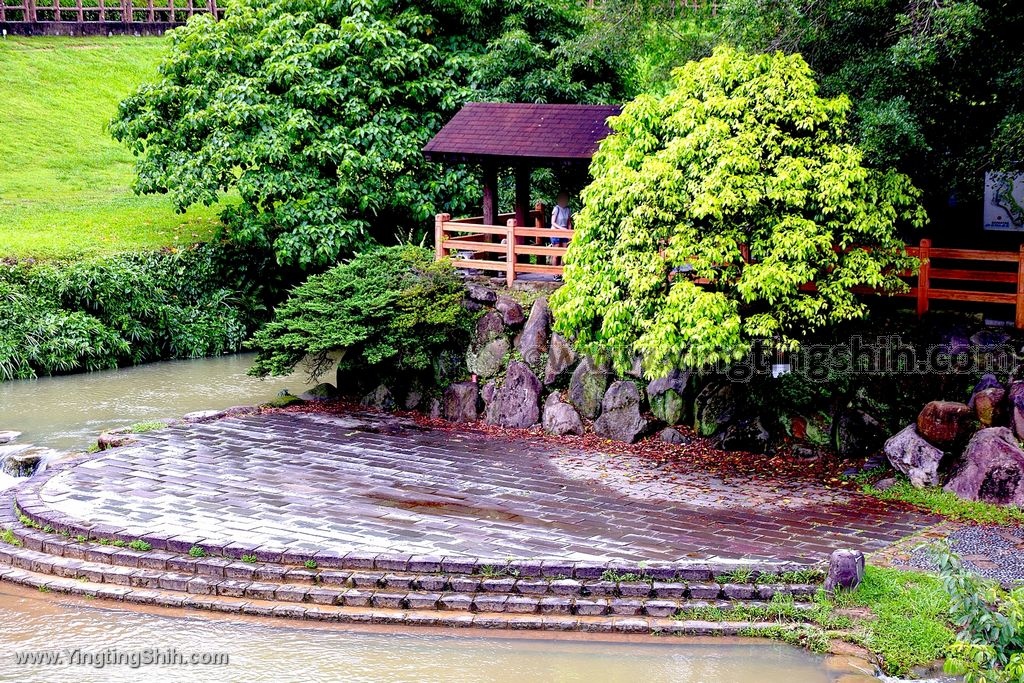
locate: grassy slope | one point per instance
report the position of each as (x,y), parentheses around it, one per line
(65,185)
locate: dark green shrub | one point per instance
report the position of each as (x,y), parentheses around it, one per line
(989,647)
(390,310)
(131,308)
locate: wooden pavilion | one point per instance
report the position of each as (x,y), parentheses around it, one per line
(520,137)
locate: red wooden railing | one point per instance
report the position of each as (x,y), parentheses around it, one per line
(497,248)
(980,276)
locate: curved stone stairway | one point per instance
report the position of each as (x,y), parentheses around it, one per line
(51,554)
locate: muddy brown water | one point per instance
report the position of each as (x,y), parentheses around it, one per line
(257,650)
(69,411)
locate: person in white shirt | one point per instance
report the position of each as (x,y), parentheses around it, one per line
(561,219)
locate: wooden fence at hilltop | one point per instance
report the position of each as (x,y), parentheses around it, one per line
(32,17)
(60,17)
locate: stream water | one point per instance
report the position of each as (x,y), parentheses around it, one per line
(277,651)
(69,412)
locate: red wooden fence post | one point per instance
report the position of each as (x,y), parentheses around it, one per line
(510,252)
(923,277)
(1019,317)
(439,221)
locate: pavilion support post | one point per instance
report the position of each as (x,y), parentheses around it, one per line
(523,195)
(490,180)
(523,208)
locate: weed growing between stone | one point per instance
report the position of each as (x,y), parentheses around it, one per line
(8,537)
(900,616)
(948,504)
(143,427)
(616,576)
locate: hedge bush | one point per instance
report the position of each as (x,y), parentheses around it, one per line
(131,308)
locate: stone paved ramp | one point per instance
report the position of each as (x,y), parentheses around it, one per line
(307,482)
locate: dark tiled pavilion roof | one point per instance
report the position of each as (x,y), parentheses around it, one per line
(541,134)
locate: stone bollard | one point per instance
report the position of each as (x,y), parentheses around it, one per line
(845,570)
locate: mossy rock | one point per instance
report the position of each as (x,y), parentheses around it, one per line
(669,407)
(283,401)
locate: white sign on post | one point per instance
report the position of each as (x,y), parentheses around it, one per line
(1004,201)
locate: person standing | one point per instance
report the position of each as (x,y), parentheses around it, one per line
(561,219)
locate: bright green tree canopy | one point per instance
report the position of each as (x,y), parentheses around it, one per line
(743,151)
(315,111)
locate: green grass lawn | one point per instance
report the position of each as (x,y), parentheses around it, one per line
(65,185)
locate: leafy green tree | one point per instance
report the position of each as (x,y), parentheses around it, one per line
(390,312)
(935,83)
(315,112)
(742,151)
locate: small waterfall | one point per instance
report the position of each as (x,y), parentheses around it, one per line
(18,461)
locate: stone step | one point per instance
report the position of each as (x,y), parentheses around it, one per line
(431,591)
(34,509)
(56,546)
(386,612)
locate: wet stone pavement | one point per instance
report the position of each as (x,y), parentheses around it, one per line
(363,483)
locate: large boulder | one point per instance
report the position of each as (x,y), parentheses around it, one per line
(945,423)
(746,435)
(909,453)
(481,294)
(380,398)
(561,356)
(489,326)
(510,310)
(487,393)
(1015,406)
(992,469)
(325,391)
(533,342)
(516,403)
(668,397)
(857,434)
(460,402)
(988,400)
(488,360)
(414,394)
(620,418)
(587,387)
(714,408)
(987,381)
(561,418)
